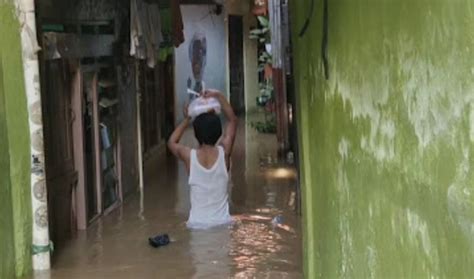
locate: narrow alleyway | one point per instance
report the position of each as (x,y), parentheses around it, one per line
(116,246)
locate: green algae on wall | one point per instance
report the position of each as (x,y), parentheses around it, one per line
(15,140)
(387,140)
(7,248)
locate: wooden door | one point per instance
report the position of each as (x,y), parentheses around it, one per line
(59,153)
(236,63)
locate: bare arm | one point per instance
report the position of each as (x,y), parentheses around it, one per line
(231,128)
(181,151)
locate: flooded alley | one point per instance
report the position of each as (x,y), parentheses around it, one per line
(255,247)
(353,124)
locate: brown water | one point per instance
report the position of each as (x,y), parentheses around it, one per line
(116,246)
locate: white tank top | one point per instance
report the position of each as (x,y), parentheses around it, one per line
(209,193)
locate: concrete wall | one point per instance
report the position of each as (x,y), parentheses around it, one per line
(232,7)
(15,199)
(199,19)
(387,142)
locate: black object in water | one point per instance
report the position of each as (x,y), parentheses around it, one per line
(159,240)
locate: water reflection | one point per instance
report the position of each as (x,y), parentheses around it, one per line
(210,250)
(258,249)
(281,173)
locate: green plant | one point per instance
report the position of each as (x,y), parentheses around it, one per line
(266,127)
(262,35)
(265,58)
(266,93)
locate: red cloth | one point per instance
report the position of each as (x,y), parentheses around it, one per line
(260,9)
(178,35)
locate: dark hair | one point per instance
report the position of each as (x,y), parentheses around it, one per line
(207,128)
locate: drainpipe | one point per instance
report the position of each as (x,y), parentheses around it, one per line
(30,48)
(139,132)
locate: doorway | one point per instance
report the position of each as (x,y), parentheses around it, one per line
(92,206)
(62,177)
(100,117)
(157,105)
(236,63)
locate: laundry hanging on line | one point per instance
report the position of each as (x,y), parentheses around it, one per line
(155,28)
(145,31)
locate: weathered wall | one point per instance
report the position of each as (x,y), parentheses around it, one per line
(216,26)
(15,199)
(198,19)
(387,141)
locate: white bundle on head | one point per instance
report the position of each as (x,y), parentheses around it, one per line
(203,105)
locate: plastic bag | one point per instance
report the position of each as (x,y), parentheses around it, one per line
(202,105)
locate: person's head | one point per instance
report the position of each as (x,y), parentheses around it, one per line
(207,128)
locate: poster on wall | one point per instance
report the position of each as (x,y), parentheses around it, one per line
(201,59)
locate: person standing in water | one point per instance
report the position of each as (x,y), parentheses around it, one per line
(207,166)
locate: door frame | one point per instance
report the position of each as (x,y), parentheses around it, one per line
(81,198)
(79,148)
(68,178)
(242,99)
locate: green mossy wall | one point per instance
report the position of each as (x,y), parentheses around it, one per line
(15,197)
(388,140)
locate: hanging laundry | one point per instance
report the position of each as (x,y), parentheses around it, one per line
(178,34)
(153,29)
(145,31)
(137,44)
(167,46)
(156,28)
(171,27)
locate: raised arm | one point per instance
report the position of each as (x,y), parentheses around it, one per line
(181,151)
(231,128)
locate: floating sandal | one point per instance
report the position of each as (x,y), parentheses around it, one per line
(158,241)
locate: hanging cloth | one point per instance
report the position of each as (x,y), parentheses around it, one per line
(154,36)
(137,42)
(178,35)
(145,31)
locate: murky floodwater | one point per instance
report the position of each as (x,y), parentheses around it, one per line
(253,247)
